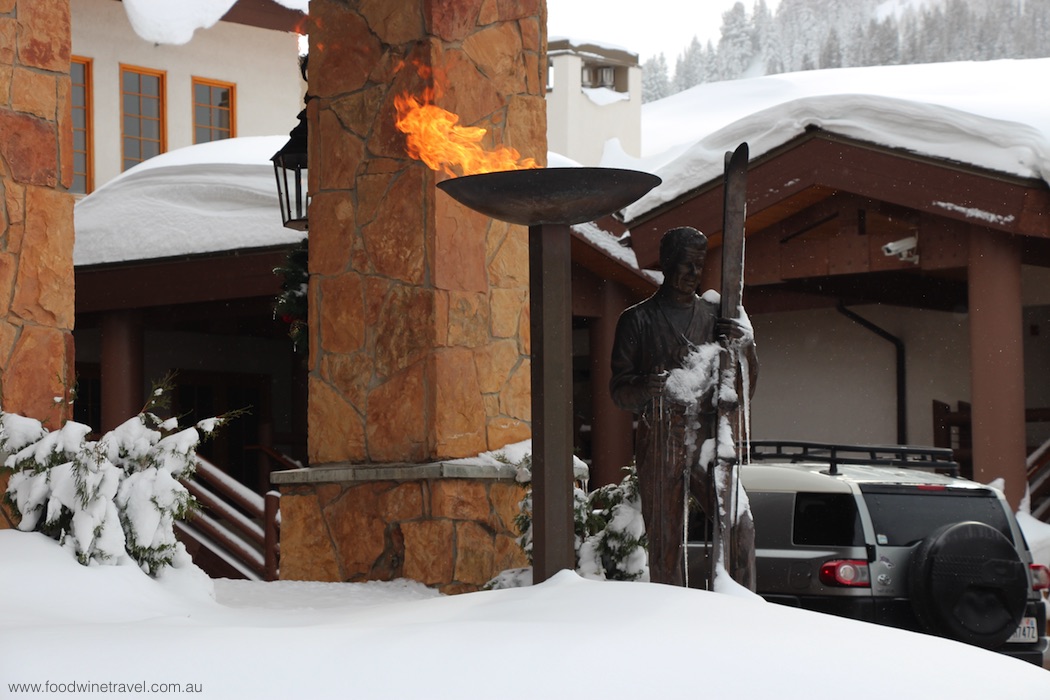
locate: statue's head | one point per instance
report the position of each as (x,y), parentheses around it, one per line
(681,245)
(674,242)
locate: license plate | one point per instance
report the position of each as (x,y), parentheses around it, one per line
(1026,632)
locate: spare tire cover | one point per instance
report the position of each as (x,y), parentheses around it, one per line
(968,583)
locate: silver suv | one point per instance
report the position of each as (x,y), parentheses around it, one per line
(890,535)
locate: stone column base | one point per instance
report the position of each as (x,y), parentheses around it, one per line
(448,525)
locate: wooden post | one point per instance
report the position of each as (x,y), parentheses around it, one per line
(550,304)
(997,361)
(121,372)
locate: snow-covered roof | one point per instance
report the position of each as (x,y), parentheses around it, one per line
(587,48)
(222,196)
(175,22)
(991,114)
(205,198)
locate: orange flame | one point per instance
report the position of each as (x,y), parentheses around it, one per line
(435,137)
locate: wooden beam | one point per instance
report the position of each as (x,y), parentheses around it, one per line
(818,164)
(146,283)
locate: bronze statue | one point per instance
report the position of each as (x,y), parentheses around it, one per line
(673,327)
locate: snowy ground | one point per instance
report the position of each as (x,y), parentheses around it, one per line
(112,626)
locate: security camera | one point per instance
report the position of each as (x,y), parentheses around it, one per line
(905,249)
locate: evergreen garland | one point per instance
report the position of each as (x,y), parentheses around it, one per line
(291,306)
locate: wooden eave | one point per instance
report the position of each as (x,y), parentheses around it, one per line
(817,165)
(608,267)
(266,14)
(142,284)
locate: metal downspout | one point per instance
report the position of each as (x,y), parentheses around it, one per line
(898,344)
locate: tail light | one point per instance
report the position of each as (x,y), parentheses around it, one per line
(1040,577)
(845,572)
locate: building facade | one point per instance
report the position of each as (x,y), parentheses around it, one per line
(132,98)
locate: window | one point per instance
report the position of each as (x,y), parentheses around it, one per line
(80,89)
(213,110)
(142,114)
(905,515)
(827,520)
(598,76)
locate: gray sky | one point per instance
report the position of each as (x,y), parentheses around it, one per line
(647,28)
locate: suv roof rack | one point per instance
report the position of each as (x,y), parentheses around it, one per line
(937,459)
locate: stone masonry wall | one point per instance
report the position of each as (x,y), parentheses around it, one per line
(453,534)
(419,307)
(36,211)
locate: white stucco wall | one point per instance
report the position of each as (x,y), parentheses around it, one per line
(263,65)
(578,127)
(824,377)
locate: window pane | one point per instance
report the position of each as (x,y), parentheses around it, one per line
(150,149)
(76,72)
(201,135)
(150,107)
(79,185)
(131,149)
(78,118)
(201,115)
(131,126)
(200,93)
(221,97)
(130,81)
(131,104)
(150,85)
(79,162)
(903,516)
(827,520)
(151,129)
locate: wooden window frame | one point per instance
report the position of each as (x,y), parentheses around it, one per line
(162,109)
(89,130)
(209,82)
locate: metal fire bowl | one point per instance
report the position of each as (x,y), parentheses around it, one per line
(550,195)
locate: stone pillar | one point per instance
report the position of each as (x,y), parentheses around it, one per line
(419,306)
(36,213)
(36,209)
(997,361)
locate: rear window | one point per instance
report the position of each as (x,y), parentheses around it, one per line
(826,520)
(903,516)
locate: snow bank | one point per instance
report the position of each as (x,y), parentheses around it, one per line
(567,637)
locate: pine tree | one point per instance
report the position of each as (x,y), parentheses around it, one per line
(656,84)
(831,52)
(689,68)
(735,48)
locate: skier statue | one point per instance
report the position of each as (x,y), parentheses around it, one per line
(665,369)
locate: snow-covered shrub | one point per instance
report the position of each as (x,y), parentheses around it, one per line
(615,546)
(107,499)
(609,537)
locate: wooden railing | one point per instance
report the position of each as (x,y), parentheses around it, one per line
(1039,481)
(952,429)
(241,527)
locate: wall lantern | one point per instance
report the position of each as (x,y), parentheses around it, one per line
(289,164)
